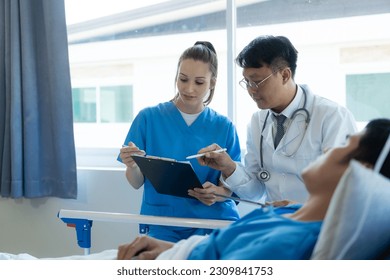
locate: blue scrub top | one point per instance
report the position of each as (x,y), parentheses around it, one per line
(162,131)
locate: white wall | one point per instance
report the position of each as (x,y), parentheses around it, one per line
(32,226)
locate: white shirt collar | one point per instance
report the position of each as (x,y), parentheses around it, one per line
(294,105)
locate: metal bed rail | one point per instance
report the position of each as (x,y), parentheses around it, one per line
(82,222)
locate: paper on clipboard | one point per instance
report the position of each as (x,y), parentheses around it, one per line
(168,176)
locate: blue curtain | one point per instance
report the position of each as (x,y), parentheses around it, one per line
(37,153)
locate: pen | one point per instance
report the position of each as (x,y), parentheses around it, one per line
(142,151)
(241,200)
(201,155)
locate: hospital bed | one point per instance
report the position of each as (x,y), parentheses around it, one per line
(82,222)
(356,226)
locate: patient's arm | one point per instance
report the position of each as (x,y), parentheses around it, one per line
(281,203)
(143,248)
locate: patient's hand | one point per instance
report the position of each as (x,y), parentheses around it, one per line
(206,194)
(143,248)
(281,203)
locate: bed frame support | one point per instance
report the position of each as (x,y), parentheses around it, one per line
(83,232)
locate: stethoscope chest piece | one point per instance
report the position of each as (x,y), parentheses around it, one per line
(263,175)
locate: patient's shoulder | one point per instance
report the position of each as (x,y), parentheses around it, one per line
(289,209)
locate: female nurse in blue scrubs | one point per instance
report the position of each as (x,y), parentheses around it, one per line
(179,128)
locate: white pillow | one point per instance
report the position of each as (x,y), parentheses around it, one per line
(357,223)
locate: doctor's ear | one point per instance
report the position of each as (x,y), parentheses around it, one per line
(286,74)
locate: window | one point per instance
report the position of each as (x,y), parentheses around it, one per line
(116,104)
(365,94)
(339,42)
(110,104)
(84,105)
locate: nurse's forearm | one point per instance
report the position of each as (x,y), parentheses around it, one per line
(134,177)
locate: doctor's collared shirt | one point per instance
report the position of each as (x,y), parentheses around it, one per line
(295,104)
(329,125)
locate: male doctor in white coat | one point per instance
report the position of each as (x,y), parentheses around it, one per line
(277,153)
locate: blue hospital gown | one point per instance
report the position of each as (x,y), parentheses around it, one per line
(263,234)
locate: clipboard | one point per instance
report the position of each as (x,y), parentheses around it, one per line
(168,176)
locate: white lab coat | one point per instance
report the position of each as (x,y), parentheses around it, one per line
(329,126)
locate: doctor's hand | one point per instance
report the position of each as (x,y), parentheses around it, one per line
(206,194)
(219,161)
(143,248)
(126,152)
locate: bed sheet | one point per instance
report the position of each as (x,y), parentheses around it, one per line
(103,255)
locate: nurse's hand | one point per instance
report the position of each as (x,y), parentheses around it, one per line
(207,196)
(127,152)
(143,248)
(219,161)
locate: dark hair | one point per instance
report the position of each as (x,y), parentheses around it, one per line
(276,52)
(372,142)
(201,51)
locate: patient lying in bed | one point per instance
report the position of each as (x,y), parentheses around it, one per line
(283,233)
(291,232)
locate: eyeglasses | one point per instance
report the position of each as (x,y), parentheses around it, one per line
(252,85)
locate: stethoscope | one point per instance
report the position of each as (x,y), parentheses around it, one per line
(263,174)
